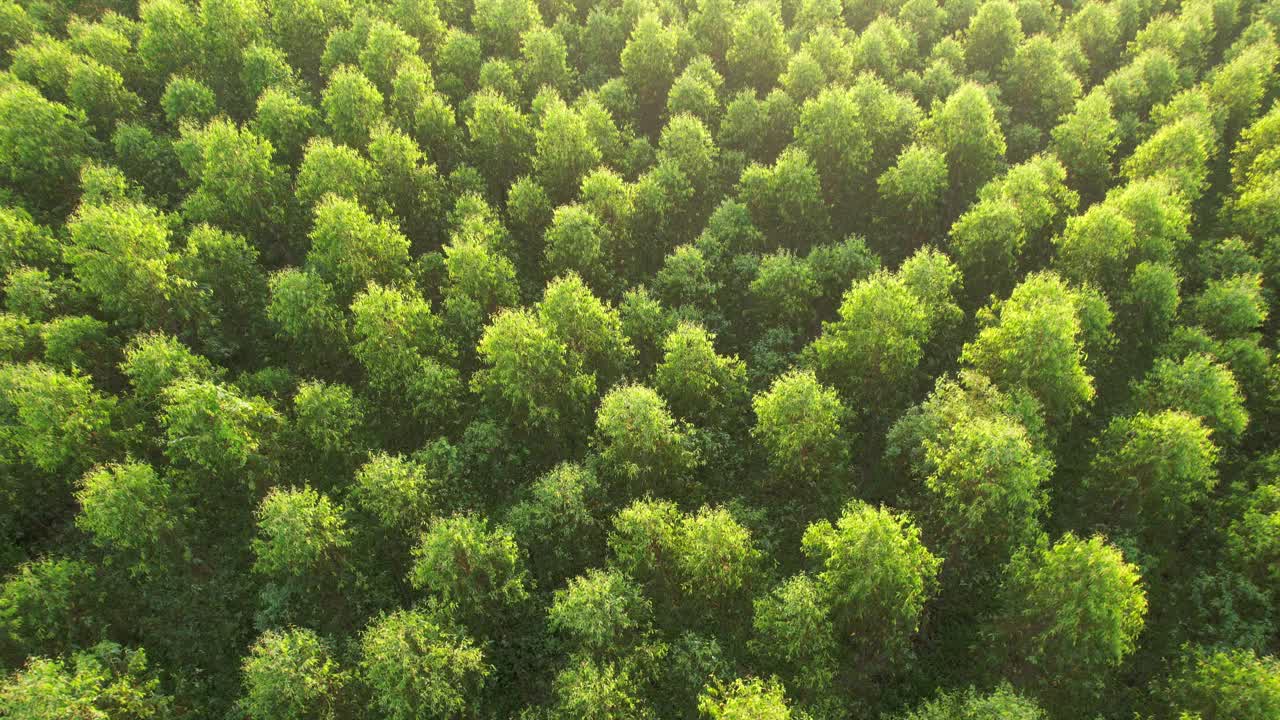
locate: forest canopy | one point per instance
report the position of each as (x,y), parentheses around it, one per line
(639,360)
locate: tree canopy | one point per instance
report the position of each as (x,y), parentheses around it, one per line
(639,359)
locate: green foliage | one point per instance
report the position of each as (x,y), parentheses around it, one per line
(350,250)
(875,574)
(130,508)
(1254,538)
(291,675)
(639,443)
(1153,470)
(214,428)
(698,383)
(965,130)
(55,421)
(43,145)
(601,612)
(461,561)
(1034,342)
(43,605)
(1070,612)
(352,106)
(871,353)
(1003,703)
(107,681)
(121,254)
(744,699)
(1199,386)
(447,359)
(1222,684)
(300,532)
(981,468)
(419,665)
(798,421)
(240,188)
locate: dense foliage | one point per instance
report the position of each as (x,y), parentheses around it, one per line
(639,359)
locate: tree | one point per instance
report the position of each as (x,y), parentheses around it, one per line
(576,242)
(1222,684)
(794,632)
(305,311)
(544,61)
(1153,470)
(213,428)
(500,23)
(337,170)
(643,544)
(25,243)
(43,145)
(557,518)
(402,346)
(400,493)
(1040,86)
(352,106)
(1034,341)
(153,361)
(1200,386)
(594,690)
(979,472)
(121,254)
(420,666)
(301,533)
(350,250)
(1253,539)
(45,606)
(783,291)
(1003,703)
(1179,151)
(648,66)
(530,377)
(230,290)
(564,151)
(1095,246)
(686,145)
(1230,307)
(107,680)
(758,50)
(131,509)
(699,384)
(696,92)
(798,421)
(785,201)
(292,675)
(590,328)
(1089,583)
(602,612)
(481,280)
(872,351)
(875,574)
(964,128)
(331,420)
(851,135)
(1085,141)
(239,188)
(716,558)
(912,194)
(387,47)
(993,37)
(745,699)
(641,446)
(502,139)
(58,421)
(188,100)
